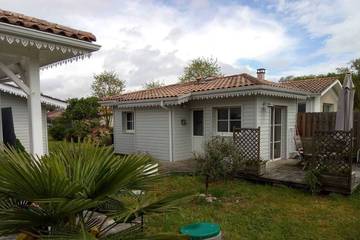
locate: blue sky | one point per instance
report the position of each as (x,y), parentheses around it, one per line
(154,40)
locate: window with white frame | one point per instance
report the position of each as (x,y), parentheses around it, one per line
(228,119)
(328,107)
(129,122)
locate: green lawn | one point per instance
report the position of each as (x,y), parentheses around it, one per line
(253,211)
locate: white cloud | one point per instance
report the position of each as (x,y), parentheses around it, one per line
(337,21)
(148,40)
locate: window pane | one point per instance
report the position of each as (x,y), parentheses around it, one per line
(234,124)
(235,113)
(198,123)
(129,125)
(223,126)
(328,107)
(302,107)
(277,115)
(277,136)
(129,116)
(222,114)
(277,150)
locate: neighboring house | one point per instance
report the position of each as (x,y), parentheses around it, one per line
(324,93)
(28,44)
(172,122)
(14,114)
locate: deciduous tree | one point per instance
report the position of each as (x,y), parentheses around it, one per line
(107,84)
(153,84)
(200,68)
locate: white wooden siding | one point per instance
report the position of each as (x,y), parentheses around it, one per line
(263,121)
(330,97)
(182,134)
(152,132)
(123,142)
(152,126)
(21,119)
(248,112)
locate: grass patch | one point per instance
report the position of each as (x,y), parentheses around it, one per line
(252,211)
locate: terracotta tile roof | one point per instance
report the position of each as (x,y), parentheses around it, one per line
(313,85)
(175,90)
(44,26)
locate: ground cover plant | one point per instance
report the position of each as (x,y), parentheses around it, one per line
(78,191)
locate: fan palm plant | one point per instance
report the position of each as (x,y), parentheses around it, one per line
(78,191)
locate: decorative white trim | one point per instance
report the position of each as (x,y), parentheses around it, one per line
(213,94)
(44,99)
(28,42)
(78,54)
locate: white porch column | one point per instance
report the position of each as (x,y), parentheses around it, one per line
(32,78)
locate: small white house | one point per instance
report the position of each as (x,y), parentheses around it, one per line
(172,122)
(14,120)
(28,44)
(324,93)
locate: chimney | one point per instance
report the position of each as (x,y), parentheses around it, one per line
(260,73)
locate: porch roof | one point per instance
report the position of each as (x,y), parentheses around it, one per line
(45,99)
(22,20)
(52,44)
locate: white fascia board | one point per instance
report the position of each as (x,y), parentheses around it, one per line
(337,82)
(48,37)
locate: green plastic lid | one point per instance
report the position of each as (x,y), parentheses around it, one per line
(200,230)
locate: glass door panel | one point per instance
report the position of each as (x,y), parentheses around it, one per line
(275,133)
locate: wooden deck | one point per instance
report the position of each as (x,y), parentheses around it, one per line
(290,173)
(281,172)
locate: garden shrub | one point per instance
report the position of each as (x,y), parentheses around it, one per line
(312,179)
(220,160)
(101,135)
(58,129)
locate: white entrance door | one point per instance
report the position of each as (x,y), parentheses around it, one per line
(197,130)
(275,133)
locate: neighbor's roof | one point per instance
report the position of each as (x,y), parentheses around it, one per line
(44,26)
(313,85)
(45,99)
(215,83)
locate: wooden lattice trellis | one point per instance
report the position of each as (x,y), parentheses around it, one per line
(247,140)
(333,152)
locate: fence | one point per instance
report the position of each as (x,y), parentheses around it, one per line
(309,123)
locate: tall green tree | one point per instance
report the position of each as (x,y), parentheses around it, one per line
(107,84)
(82,108)
(200,68)
(80,116)
(153,84)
